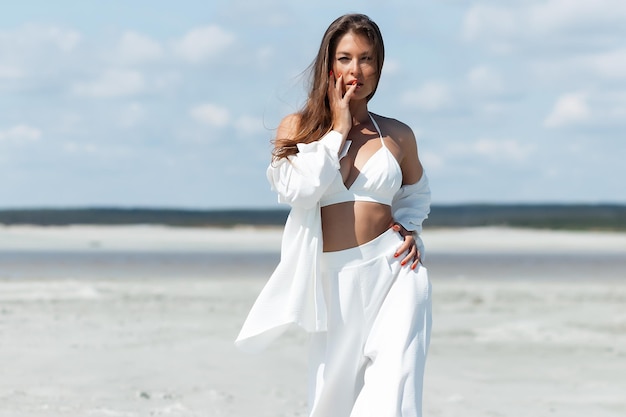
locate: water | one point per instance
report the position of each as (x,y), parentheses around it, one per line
(534,266)
(120,265)
(117,265)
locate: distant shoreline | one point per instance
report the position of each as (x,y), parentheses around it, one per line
(542,216)
(252,239)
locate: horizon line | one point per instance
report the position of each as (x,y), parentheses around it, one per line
(286,207)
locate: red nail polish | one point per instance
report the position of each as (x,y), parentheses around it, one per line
(395,255)
(354,82)
(402,263)
(330,74)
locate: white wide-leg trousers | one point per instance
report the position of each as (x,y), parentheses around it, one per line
(370,362)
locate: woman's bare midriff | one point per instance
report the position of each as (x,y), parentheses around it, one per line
(353,223)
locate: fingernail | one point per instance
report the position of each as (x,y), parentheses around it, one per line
(354,82)
(402,263)
(330,74)
(395,255)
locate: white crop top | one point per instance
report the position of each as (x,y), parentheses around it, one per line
(378,181)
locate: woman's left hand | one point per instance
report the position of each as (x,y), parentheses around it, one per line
(413,255)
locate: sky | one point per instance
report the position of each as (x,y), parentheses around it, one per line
(173,104)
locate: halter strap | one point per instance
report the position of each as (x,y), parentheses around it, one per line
(382,141)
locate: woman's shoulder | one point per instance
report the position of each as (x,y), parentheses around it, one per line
(395,128)
(288,125)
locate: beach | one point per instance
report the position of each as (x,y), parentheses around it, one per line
(140,321)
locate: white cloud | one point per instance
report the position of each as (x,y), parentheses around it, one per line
(211,114)
(485,80)
(65,39)
(91,149)
(136,48)
(203,43)
(69,122)
(502,149)
(391,66)
(499,150)
(503,27)
(482,20)
(20,133)
(608,106)
(554,15)
(432,96)
(132,114)
(249,125)
(77,147)
(569,109)
(36,57)
(265,56)
(112,83)
(431,160)
(10,72)
(32,36)
(614,105)
(608,64)
(602,67)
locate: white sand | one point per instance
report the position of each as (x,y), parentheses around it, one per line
(138,238)
(163,347)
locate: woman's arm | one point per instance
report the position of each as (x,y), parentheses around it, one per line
(301,179)
(411,204)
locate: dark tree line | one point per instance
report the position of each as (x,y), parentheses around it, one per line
(599,217)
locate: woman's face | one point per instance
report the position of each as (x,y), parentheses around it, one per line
(356,61)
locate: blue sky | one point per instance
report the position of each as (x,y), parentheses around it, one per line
(163,104)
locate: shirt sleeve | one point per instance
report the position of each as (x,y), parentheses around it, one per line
(301,179)
(411,205)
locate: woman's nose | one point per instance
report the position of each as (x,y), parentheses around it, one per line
(354,67)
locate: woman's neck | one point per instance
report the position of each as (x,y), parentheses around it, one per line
(359,112)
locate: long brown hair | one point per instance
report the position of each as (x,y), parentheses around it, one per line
(315,119)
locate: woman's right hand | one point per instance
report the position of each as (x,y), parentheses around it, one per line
(340,103)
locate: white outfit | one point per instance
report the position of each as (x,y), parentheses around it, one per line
(305,289)
(370,362)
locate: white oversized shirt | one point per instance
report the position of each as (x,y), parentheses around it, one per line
(293,293)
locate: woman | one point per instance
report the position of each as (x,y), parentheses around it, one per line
(350,270)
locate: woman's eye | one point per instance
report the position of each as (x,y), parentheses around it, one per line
(344,58)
